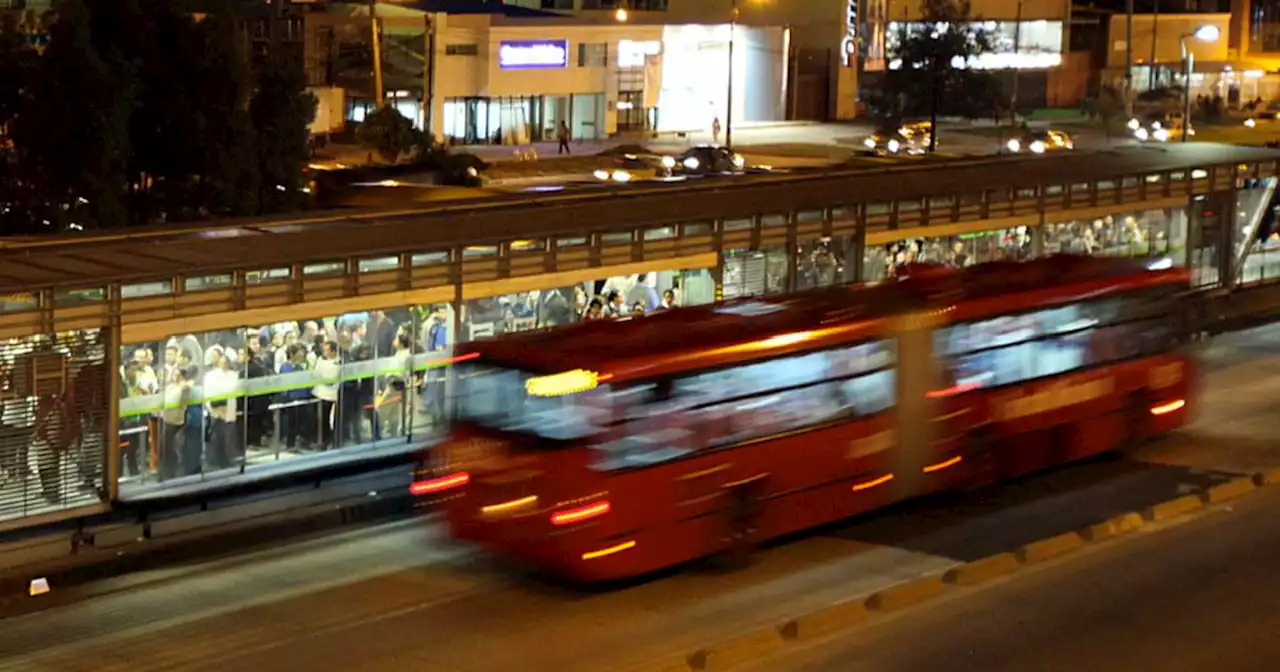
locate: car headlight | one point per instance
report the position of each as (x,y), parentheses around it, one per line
(601,174)
(1134,125)
(738,161)
(1014,145)
(1161,134)
(1037,147)
(692,163)
(668,162)
(1250,122)
(892,145)
(1141,133)
(621,176)
(870,143)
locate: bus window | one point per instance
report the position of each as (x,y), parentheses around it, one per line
(1014,348)
(495,397)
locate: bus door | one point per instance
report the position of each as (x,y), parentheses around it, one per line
(922,415)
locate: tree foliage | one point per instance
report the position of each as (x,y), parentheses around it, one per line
(388,133)
(929,73)
(140,111)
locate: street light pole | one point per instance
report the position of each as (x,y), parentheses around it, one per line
(728,116)
(1188,67)
(1128,59)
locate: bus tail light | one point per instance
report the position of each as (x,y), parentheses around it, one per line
(579,514)
(867,485)
(432,486)
(1167,408)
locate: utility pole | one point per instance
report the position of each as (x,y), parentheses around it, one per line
(1128,59)
(377,53)
(1155,35)
(728,116)
(429,77)
(1013,95)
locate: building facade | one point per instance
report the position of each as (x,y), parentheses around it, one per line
(495,78)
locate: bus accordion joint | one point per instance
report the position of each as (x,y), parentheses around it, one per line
(508,507)
(434,485)
(1167,408)
(581,513)
(945,464)
(867,485)
(560,384)
(624,546)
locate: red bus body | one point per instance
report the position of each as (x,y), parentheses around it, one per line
(634,486)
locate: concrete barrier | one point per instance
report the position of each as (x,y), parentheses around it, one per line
(983,569)
(677,663)
(907,594)
(1039,551)
(1269,477)
(1172,508)
(821,623)
(1113,527)
(1229,490)
(726,655)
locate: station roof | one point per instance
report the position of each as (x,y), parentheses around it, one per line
(95,258)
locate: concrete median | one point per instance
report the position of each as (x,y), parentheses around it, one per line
(1113,527)
(1045,549)
(821,623)
(1269,477)
(983,569)
(729,654)
(1172,508)
(906,594)
(1229,490)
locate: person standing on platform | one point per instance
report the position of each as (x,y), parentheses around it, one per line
(562,136)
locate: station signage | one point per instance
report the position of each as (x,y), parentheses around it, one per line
(533,54)
(849,45)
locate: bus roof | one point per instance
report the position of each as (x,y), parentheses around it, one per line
(745,329)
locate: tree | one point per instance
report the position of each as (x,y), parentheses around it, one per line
(281,111)
(73,130)
(1106,107)
(229,161)
(933,74)
(388,133)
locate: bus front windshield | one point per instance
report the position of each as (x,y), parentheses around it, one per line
(496,397)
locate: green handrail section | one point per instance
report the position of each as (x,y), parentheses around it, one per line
(287,382)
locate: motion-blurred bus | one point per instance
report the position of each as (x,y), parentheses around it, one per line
(615,448)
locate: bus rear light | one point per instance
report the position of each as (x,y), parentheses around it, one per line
(624,546)
(867,485)
(441,484)
(579,514)
(939,466)
(1165,409)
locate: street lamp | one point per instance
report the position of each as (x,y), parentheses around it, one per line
(1208,34)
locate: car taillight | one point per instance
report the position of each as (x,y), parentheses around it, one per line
(579,514)
(441,484)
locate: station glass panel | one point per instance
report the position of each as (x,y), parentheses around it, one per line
(53,397)
(200,405)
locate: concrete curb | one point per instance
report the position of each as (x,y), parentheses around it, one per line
(759,644)
(75,571)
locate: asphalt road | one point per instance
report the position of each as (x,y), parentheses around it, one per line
(402,597)
(1200,595)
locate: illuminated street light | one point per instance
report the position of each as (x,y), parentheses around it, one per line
(621,15)
(1207,33)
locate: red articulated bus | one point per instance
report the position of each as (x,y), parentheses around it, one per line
(615,448)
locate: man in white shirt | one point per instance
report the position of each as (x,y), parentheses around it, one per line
(221,387)
(328,369)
